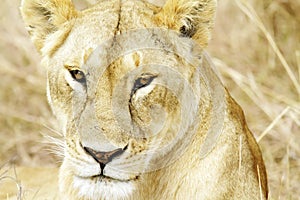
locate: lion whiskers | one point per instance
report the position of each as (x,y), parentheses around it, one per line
(55,144)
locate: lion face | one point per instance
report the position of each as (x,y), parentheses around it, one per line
(123,81)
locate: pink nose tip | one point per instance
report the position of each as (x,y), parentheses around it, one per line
(103,157)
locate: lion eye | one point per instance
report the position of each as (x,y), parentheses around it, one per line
(143,81)
(78,75)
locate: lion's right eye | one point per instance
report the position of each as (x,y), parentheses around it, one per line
(78,75)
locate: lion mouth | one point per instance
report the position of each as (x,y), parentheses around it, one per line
(104,178)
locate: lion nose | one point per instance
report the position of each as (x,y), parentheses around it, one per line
(104,157)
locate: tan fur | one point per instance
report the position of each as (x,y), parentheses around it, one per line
(210,164)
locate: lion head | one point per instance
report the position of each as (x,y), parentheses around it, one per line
(127,83)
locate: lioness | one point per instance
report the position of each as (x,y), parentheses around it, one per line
(142,112)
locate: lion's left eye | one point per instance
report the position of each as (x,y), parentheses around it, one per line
(78,75)
(143,81)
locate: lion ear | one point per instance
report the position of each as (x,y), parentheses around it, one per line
(192,18)
(43,17)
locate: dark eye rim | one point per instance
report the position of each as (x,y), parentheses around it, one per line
(143,81)
(78,75)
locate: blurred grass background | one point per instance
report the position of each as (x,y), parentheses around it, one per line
(256,47)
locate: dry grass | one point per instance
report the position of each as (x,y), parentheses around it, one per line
(24,111)
(255,46)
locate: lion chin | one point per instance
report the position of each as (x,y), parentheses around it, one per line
(142,111)
(99,186)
